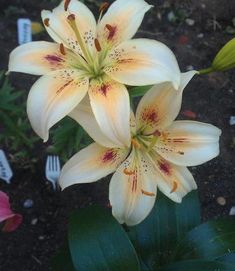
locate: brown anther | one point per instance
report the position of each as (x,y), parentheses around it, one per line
(147,193)
(66,4)
(135,143)
(71,17)
(97,45)
(175,186)
(104,6)
(62,49)
(109,27)
(46,22)
(157,133)
(127,172)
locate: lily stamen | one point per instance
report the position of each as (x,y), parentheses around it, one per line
(175,186)
(103,7)
(127,172)
(46,22)
(135,143)
(147,193)
(62,49)
(72,22)
(97,45)
(66,4)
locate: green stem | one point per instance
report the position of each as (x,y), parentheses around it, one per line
(207,70)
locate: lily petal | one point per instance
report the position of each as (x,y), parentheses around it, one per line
(84,115)
(172,180)
(189,143)
(132,190)
(52,97)
(60,30)
(140,62)
(160,105)
(111,106)
(38,57)
(91,164)
(123,18)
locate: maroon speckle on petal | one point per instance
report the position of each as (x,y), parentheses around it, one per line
(150,116)
(109,155)
(104,89)
(165,167)
(54,59)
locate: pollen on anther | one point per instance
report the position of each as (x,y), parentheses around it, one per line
(147,193)
(71,17)
(97,45)
(175,186)
(62,49)
(66,4)
(46,22)
(128,172)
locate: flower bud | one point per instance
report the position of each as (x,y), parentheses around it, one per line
(225,59)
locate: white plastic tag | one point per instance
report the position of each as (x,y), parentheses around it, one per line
(24,30)
(5,170)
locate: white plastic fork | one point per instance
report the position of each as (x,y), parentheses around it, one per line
(53,169)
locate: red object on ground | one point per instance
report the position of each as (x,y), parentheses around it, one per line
(183,39)
(189,114)
(12,220)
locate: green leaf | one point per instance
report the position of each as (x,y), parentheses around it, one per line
(208,241)
(199,265)
(229,257)
(98,242)
(62,261)
(138,91)
(168,222)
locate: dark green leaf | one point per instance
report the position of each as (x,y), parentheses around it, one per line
(199,265)
(138,91)
(164,227)
(208,241)
(229,258)
(62,261)
(99,243)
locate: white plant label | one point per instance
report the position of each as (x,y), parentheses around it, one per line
(24,30)
(5,170)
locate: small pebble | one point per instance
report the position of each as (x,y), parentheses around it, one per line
(221,201)
(230,91)
(28,203)
(171,17)
(203,6)
(34,221)
(200,35)
(189,68)
(41,237)
(190,22)
(232,120)
(232,211)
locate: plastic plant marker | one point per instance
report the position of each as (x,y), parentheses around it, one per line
(24,30)
(5,169)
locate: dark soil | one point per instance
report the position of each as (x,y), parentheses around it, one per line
(210,97)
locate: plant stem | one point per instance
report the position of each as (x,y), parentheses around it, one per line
(207,70)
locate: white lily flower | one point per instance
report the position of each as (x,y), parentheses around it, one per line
(94,58)
(157,157)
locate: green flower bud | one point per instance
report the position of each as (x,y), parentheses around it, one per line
(225,59)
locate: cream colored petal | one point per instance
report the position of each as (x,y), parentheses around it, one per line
(160,106)
(91,164)
(38,57)
(60,30)
(85,117)
(54,96)
(125,17)
(111,106)
(189,143)
(132,190)
(172,180)
(142,62)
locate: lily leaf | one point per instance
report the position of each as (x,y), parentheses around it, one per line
(208,241)
(168,223)
(98,242)
(138,91)
(199,265)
